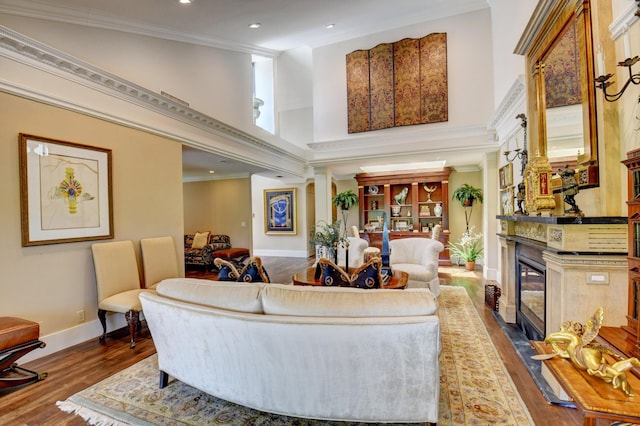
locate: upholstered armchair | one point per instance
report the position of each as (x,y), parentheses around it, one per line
(419,258)
(356,252)
(198,248)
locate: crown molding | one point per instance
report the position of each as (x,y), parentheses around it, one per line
(26,50)
(515,97)
(621,24)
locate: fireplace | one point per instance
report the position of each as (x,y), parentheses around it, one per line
(530,291)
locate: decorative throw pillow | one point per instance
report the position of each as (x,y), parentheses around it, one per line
(253,272)
(368,275)
(332,274)
(200,240)
(226,270)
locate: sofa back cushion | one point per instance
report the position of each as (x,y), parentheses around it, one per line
(281,299)
(241,297)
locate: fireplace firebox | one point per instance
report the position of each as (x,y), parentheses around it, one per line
(530,291)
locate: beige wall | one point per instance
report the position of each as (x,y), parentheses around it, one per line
(219,206)
(51,283)
(457,225)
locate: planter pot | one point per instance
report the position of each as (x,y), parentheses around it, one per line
(470,265)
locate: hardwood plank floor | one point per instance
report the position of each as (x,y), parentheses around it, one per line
(80,366)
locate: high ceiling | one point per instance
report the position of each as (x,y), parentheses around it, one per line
(285,24)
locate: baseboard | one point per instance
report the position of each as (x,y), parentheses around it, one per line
(75,335)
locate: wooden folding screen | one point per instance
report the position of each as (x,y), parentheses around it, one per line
(398,84)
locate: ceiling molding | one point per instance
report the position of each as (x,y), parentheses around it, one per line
(28,50)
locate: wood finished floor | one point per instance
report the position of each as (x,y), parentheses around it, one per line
(80,366)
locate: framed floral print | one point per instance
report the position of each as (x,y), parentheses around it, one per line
(65,191)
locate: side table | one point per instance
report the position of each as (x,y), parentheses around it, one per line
(595,398)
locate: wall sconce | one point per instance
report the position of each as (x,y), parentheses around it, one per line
(522,154)
(603,82)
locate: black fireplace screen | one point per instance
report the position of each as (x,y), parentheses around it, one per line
(531,299)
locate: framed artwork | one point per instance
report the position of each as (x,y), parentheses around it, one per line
(280,211)
(506,176)
(65,191)
(506,201)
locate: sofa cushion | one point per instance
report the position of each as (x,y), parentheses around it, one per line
(226,270)
(254,272)
(200,239)
(217,294)
(368,275)
(332,275)
(281,299)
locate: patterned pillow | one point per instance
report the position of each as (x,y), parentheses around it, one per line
(200,240)
(254,272)
(226,270)
(332,274)
(368,275)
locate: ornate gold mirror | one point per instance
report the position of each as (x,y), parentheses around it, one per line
(558,47)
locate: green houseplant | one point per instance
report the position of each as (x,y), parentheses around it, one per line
(344,201)
(467,194)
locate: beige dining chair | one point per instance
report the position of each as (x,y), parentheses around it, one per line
(159,260)
(118,284)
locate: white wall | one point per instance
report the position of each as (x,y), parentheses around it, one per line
(224,79)
(470,80)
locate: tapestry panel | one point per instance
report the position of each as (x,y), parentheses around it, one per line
(561,72)
(381,71)
(358,91)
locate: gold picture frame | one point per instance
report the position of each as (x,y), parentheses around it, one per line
(65,191)
(506,201)
(280,211)
(506,175)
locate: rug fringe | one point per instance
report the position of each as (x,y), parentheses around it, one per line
(90,416)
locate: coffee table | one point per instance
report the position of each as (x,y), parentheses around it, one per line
(307,277)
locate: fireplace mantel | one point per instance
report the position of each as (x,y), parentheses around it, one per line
(586,266)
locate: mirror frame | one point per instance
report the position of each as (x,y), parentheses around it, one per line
(543,31)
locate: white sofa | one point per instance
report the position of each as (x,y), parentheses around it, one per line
(324,353)
(418,257)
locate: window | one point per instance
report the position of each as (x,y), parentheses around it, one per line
(263,104)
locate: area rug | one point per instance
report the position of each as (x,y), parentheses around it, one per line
(475,388)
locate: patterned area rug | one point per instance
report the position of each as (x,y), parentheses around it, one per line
(475,388)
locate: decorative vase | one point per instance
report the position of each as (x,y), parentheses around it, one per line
(395,211)
(470,265)
(438,209)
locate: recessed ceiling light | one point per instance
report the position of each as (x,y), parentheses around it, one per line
(212,171)
(255,25)
(185,1)
(329,26)
(406,166)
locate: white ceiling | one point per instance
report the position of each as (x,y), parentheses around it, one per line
(285,24)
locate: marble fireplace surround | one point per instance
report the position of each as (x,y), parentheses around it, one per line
(586,266)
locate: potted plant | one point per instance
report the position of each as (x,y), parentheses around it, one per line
(467,194)
(345,200)
(469,248)
(324,238)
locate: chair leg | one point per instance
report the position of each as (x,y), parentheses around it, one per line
(132,319)
(102,315)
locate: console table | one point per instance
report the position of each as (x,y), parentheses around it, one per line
(595,398)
